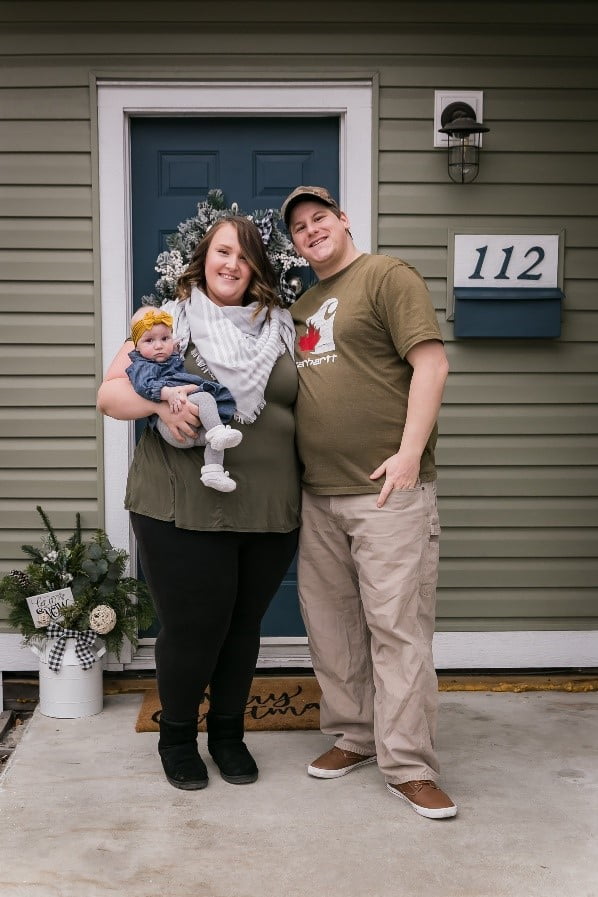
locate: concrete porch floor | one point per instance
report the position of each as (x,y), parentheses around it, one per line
(86,812)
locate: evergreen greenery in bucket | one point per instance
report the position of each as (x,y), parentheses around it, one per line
(101,598)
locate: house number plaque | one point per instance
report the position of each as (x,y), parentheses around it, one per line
(506,260)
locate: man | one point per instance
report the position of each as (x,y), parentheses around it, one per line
(372,370)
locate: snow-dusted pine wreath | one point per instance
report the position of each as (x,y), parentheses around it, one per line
(181,245)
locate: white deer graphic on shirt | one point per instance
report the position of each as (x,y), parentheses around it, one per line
(320,329)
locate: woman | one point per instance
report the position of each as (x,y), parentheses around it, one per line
(213,560)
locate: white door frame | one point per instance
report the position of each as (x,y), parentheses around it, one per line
(118,101)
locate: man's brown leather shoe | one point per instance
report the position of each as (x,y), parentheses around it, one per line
(336,762)
(426,798)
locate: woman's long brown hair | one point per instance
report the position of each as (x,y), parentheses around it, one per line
(262,286)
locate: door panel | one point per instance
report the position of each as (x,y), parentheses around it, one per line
(256,162)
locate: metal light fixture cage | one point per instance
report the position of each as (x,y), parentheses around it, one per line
(459,123)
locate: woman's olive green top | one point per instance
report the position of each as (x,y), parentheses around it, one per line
(164,481)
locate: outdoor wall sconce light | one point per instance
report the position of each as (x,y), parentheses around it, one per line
(463,131)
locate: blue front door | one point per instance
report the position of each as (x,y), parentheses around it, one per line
(256,162)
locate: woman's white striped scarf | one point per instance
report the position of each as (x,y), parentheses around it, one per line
(233,345)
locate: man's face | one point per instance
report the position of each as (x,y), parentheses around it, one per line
(320,237)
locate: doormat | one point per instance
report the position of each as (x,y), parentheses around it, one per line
(274,704)
(293,702)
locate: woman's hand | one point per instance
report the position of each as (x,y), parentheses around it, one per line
(183,423)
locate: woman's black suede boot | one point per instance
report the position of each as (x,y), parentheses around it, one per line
(177,747)
(228,750)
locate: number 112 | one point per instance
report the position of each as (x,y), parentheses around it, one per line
(508,252)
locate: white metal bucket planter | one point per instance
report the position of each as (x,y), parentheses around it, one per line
(71,691)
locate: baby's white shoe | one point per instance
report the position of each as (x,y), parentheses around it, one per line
(221,437)
(214,476)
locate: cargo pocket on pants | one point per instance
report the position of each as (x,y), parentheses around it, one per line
(429,575)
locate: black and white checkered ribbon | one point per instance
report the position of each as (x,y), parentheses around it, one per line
(287,293)
(265,225)
(83,642)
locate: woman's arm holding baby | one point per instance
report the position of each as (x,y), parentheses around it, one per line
(118,399)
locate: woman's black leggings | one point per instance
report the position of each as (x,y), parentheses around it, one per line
(210,591)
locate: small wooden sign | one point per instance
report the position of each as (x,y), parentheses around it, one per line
(47,607)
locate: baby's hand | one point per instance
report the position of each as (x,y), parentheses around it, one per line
(172,395)
(176,396)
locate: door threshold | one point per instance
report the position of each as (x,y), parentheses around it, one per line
(271,656)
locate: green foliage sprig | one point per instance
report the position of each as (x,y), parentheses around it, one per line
(94,571)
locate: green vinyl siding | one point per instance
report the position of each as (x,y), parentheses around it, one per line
(519,428)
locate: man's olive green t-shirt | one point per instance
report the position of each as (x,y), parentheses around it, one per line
(354,330)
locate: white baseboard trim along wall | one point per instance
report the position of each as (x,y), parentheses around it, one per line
(534,649)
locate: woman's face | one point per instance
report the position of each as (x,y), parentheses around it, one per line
(227,271)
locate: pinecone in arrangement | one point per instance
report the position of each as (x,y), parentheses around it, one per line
(21,577)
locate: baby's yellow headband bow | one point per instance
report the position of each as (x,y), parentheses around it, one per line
(151,317)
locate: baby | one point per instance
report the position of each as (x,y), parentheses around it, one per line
(157,373)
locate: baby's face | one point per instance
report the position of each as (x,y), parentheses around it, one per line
(156,344)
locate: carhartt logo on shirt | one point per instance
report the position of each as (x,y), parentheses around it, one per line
(312,362)
(319,336)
